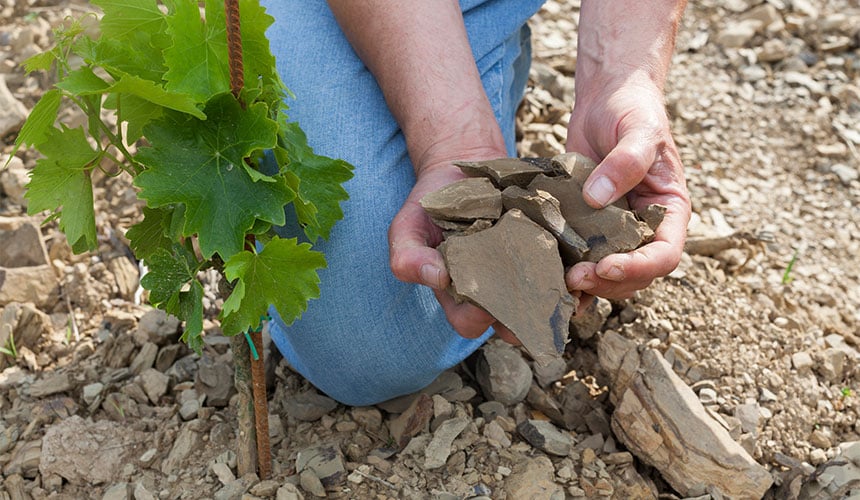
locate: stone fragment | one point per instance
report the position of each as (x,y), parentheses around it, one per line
(446,383)
(154,384)
(652,215)
(24,323)
(289,492)
(85,452)
(51,383)
(551,372)
(309,406)
(184,444)
(92,392)
(738,34)
(412,421)
(325,461)
(158,327)
(589,322)
(367,416)
(141,493)
(144,359)
(223,473)
(118,491)
(502,373)
(127,276)
(14,179)
(801,361)
(439,449)
(166,356)
(452,228)
(832,364)
(188,409)
(495,432)
(846,174)
(311,483)
(36,284)
(544,209)
(504,172)
(837,478)
(25,460)
(660,420)
(465,200)
(492,409)
(12,111)
(22,244)
(514,272)
(607,230)
(533,478)
(543,402)
(215,380)
(546,437)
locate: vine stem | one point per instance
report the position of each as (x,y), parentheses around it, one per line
(257,367)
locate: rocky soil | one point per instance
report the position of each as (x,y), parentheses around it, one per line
(759,324)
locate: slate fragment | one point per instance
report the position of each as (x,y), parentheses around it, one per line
(608,230)
(513,271)
(544,208)
(661,421)
(652,215)
(504,172)
(464,200)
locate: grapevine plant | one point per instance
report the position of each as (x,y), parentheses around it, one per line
(217,169)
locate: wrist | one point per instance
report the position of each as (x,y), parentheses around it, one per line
(478,139)
(626,40)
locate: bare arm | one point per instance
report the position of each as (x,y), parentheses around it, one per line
(420,55)
(625,48)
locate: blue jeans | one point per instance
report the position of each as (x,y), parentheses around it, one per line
(370,337)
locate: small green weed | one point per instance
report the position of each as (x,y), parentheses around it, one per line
(9,349)
(786,276)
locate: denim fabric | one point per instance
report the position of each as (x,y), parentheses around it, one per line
(370,337)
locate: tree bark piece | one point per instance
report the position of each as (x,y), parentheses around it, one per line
(661,421)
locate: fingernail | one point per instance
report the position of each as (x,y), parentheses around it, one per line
(615,273)
(583,283)
(601,190)
(430,275)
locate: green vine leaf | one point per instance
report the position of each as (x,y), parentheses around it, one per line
(62,179)
(149,235)
(201,164)
(283,274)
(170,273)
(320,182)
(204,43)
(40,123)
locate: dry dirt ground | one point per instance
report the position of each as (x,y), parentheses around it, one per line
(762,318)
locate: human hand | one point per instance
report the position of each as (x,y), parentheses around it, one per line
(624,123)
(413,238)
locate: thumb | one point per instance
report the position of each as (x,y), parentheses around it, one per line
(411,258)
(620,171)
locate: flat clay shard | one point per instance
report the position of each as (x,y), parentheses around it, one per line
(543,208)
(606,231)
(513,271)
(464,200)
(504,172)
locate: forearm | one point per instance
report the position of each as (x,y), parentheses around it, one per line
(623,40)
(419,54)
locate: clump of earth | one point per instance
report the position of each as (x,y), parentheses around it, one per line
(756,332)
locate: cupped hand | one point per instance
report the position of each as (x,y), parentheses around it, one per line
(412,239)
(625,125)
